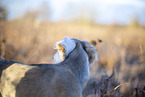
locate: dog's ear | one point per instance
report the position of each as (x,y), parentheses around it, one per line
(94,43)
(91,51)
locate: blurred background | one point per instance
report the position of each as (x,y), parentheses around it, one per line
(30,28)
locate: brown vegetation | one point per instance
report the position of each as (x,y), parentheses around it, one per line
(121,48)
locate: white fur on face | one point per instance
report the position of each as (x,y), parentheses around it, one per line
(66,45)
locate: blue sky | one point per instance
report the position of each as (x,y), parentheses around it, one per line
(100,11)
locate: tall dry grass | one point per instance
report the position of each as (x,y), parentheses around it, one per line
(122,48)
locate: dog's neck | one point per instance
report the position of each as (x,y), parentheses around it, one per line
(78,62)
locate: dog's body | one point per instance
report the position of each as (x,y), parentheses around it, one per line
(65,79)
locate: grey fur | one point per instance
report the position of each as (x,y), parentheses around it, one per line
(65,79)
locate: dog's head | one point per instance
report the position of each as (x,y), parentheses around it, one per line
(65,46)
(91,52)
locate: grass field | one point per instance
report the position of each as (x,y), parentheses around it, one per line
(122,48)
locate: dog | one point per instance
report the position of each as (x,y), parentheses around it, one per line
(66,78)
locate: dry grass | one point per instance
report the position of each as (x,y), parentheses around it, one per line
(122,48)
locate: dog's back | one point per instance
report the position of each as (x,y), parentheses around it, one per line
(59,80)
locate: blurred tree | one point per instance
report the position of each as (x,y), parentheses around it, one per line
(3,13)
(134,22)
(42,13)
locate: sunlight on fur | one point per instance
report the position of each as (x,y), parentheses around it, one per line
(64,47)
